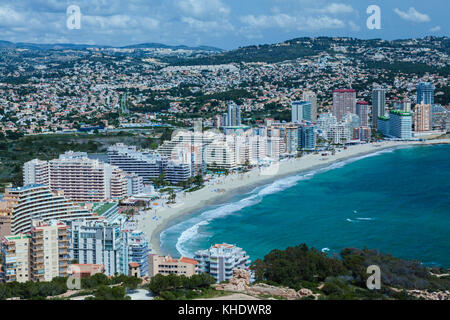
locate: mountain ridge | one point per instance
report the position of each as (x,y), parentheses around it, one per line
(72,46)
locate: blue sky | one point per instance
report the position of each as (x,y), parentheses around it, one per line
(226,24)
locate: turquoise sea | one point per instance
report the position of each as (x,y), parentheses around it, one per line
(397,201)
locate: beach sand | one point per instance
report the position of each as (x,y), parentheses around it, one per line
(220,190)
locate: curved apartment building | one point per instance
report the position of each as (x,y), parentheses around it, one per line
(39,202)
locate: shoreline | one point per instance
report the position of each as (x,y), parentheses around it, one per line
(232,184)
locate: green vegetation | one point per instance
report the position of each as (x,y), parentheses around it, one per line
(180,287)
(345,277)
(195,189)
(407,67)
(110,293)
(15,149)
(98,280)
(288,50)
(271,110)
(33,290)
(102,287)
(443,98)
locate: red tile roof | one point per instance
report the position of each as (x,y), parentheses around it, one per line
(187,260)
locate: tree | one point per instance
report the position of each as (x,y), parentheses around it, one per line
(127,281)
(172,196)
(108,293)
(198,180)
(295,265)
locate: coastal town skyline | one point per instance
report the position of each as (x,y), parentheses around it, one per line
(223,150)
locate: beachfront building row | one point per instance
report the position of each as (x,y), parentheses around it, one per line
(289,138)
(40,255)
(166,265)
(81,178)
(236,147)
(148,165)
(220,260)
(350,129)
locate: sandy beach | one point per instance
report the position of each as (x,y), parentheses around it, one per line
(219,190)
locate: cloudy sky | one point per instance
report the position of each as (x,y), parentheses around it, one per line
(226,24)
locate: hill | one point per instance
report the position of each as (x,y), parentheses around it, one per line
(308,47)
(345,276)
(70,46)
(164,46)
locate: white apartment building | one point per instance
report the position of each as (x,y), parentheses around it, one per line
(188,147)
(135,184)
(325,122)
(96,243)
(35,172)
(337,132)
(40,255)
(80,178)
(148,165)
(400,124)
(340,133)
(311,97)
(221,259)
(15,254)
(143,163)
(219,154)
(257,148)
(49,250)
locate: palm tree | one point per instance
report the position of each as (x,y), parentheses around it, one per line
(172,196)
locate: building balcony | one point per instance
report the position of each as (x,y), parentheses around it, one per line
(37,260)
(37,254)
(37,268)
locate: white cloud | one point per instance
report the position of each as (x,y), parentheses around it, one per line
(10,17)
(207,26)
(353,26)
(435,29)
(412,15)
(296,22)
(337,8)
(202,8)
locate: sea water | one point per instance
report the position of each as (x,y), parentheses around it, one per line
(397,201)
